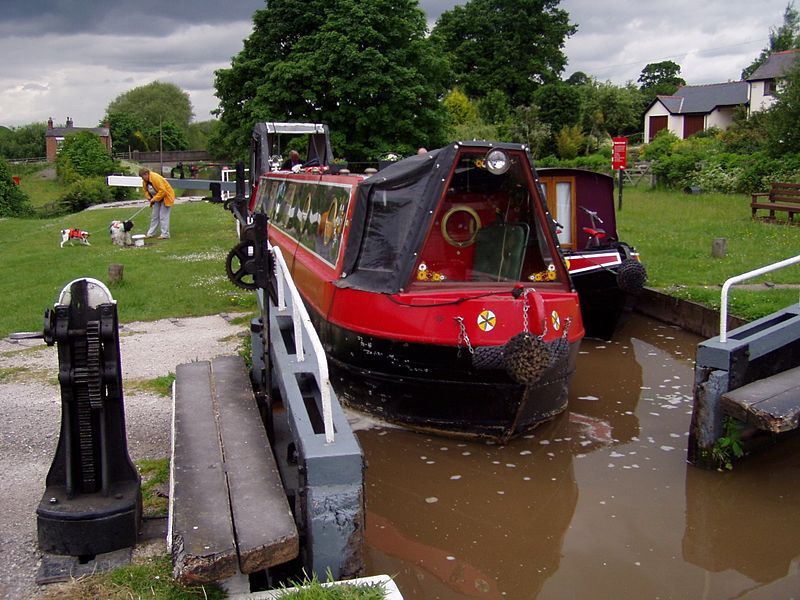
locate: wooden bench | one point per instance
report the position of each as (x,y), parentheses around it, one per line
(228,509)
(783,197)
(770,404)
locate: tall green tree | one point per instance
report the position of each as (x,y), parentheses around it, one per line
(363,67)
(152,105)
(661,78)
(559,104)
(612,110)
(509,45)
(785,37)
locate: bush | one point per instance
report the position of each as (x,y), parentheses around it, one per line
(85,192)
(569,140)
(13,202)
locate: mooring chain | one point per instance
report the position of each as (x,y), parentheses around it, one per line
(463,338)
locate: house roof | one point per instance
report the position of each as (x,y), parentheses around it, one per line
(691,99)
(63,131)
(777,65)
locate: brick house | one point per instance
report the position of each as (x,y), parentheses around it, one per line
(54,136)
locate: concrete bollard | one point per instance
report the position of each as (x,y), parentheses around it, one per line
(115,273)
(719,247)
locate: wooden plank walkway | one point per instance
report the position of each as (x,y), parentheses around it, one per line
(770,404)
(228,508)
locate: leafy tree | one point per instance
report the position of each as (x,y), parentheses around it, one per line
(363,67)
(661,78)
(508,45)
(608,109)
(152,105)
(200,132)
(569,141)
(459,107)
(559,104)
(785,37)
(494,107)
(167,136)
(781,123)
(26,141)
(528,128)
(578,78)
(83,155)
(13,202)
(127,131)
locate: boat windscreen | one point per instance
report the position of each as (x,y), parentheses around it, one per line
(487,228)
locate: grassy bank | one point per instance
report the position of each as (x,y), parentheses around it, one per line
(185,276)
(674,233)
(182,276)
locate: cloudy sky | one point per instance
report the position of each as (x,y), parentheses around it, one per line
(70,58)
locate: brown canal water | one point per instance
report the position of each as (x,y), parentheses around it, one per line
(599,503)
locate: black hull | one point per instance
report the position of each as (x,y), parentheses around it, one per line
(603,303)
(434,389)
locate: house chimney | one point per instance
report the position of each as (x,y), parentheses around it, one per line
(50,123)
(69,121)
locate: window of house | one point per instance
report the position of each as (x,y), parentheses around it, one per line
(769,87)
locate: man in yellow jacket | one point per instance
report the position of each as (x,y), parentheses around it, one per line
(162,197)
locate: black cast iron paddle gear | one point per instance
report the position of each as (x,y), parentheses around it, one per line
(240,265)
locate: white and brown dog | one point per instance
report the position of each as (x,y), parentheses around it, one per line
(70,235)
(121,233)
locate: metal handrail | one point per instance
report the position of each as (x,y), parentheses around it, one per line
(301,320)
(723,305)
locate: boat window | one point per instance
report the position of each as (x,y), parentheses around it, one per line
(322,231)
(564,210)
(311,212)
(487,228)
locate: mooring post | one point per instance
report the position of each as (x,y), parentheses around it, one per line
(115,273)
(719,247)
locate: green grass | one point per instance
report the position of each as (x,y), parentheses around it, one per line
(313,589)
(148,578)
(155,481)
(674,233)
(38,182)
(180,277)
(158,385)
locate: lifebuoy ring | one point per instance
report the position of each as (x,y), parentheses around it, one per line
(473,226)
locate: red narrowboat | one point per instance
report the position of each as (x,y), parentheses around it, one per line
(606,272)
(436,285)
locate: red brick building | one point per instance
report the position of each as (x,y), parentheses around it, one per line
(54,136)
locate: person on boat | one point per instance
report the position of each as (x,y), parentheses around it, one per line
(293,161)
(161,196)
(422,151)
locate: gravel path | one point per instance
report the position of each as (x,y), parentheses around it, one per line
(31,415)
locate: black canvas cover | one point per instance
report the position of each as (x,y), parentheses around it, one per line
(393,211)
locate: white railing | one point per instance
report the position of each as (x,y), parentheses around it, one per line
(723,305)
(301,321)
(228,175)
